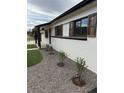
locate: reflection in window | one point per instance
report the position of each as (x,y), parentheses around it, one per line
(78,24)
(84,27)
(84,22)
(81,27)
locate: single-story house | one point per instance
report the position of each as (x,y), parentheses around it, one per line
(74,32)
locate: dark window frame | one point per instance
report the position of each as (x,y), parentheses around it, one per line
(80,33)
(46,33)
(50,36)
(73,31)
(59,30)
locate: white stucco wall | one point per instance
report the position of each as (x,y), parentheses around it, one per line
(78,48)
(44,40)
(52,31)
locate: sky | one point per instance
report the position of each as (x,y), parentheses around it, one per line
(43,11)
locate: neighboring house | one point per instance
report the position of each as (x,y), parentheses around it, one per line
(74,32)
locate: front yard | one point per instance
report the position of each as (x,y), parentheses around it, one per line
(31,46)
(34,56)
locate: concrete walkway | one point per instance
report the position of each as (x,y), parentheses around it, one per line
(47,77)
(31,42)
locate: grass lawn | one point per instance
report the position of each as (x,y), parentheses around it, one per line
(31,46)
(33,57)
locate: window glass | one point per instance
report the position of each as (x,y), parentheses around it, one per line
(84,22)
(58,30)
(83,27)
(78,24)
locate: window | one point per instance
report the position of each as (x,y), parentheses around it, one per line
(81,27)
(78,24)
(84,22)
(77,29)
(84,26)
(46,33)
(92,25)
(58,30)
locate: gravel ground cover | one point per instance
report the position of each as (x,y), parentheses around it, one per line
(47,77)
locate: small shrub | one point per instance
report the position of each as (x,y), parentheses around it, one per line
(62,56)
(80,65)
(47,47)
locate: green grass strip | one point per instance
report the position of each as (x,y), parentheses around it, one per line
(29,46)
(33,57)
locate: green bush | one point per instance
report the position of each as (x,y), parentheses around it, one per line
(62,56)
(80,65)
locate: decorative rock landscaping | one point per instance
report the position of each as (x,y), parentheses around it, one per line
(47,77)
